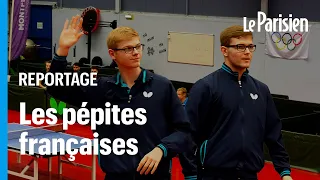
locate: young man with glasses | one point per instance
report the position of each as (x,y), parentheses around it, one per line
(233,114)
(167,128)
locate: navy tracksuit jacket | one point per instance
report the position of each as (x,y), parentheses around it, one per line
(167,124)
(231,120)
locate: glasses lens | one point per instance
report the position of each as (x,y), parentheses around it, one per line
(131,49)
(252,48)
(241,47)
(128,50)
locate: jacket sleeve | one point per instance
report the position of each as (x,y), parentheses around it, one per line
(73,95)
(179,140)
(197,108)
(273,139)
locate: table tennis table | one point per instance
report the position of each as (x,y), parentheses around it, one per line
(49,132)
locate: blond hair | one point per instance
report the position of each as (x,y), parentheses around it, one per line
(183,90)
(235,31)
(120,34)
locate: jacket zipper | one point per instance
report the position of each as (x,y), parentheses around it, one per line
(203,150)
(242,120)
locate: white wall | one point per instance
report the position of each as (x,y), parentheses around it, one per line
(298,79)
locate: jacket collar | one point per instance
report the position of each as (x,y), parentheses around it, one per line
(144,77)
(184,103)
(229,70)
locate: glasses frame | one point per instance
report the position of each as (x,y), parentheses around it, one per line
(129,50)
(246,47)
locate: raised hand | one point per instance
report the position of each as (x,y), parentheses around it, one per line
(70,34)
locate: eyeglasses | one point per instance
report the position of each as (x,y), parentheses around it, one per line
(129,50)
(242,47)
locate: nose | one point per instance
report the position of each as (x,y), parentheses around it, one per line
(135,51)
(247,50)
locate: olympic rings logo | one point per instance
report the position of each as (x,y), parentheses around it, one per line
(286,41)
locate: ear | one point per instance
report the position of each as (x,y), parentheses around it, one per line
(112,53)
(224,51)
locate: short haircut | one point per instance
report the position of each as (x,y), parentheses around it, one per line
(95,67)
(76,64)
(183,90)
(235,31)
(120,34)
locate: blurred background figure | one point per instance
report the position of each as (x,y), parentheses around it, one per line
(182,94)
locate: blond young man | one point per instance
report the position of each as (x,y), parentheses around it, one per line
(233,114)
(166,132)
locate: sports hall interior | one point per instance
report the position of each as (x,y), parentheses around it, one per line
(294,84)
